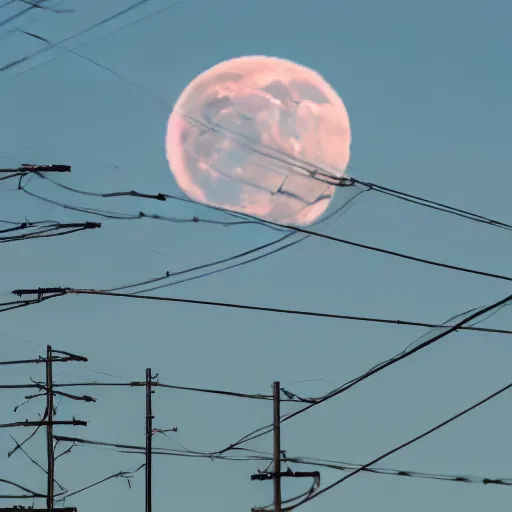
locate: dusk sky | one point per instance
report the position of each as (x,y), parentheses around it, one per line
(427,88)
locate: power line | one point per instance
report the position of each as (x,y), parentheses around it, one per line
(406,444)
(156,384)
(60,291)
(435,205)
(262,431)
(256,456)
(304,231)
(98,24)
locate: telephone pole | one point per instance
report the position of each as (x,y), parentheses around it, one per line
(49,430)
(47,389)
(277,446)
(149,439)
(276,475)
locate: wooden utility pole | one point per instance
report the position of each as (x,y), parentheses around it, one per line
(48,421)
(149,438)
(277,446)
(49,429)
(277,475)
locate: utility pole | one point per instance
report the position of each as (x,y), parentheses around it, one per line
(149,439)
(277,474)
(49,430)
(48,390)
(277,446)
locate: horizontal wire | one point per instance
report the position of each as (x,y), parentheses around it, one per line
(308,461)
(134,384)
(77,291)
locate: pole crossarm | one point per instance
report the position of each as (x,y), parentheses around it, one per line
(267,475)
(26,423)
(38,168)
(39,360)
(30,509)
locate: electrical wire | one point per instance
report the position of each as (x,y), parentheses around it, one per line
(255,456)
(45,230)
(162,197)
(319,174)
(119,474)
(450,328)
(406,444)
(98,24)
(133,384)
(432,204)
(456,327)
(317,234)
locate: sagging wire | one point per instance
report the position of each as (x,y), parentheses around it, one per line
(30,494)
(243,219)
(136,216)
(249,455)
(324,236)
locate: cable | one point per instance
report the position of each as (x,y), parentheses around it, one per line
(376,369)
(88,29)
(37,385)
(46,230)
(32,494)
(408,443)
(160,196)
(319,174)
(119,474)
(63,291)
(262,431)
(331,238)
(432,204)
(255,456)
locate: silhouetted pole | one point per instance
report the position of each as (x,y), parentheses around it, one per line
(49,429)
(149,437)
(277,447)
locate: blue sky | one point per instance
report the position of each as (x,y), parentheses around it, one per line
(427,87)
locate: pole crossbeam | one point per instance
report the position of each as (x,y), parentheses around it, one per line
(26,168)
(45,423)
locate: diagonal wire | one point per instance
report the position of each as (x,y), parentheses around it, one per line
(406,444)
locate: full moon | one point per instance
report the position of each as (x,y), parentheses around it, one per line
(251,134)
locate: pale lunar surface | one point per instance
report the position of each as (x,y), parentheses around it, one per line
(246,134)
